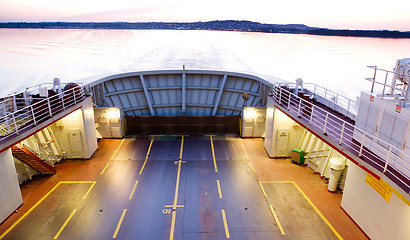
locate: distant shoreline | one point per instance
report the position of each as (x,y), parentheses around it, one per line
(228,25)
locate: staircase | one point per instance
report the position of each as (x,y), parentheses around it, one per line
(29,158)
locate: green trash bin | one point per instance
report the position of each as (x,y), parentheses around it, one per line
(298,156)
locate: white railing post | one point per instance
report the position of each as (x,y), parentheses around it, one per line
(15,124)
(336,99)
(300,105)
(324,127)
(348,107)
(62,101)
(14,103)
(341,134)
(280,95)
(362,144)
(290,95)
(387,159)
(75,100)
(311,114)
(32,113)
(49,107)
(314,91)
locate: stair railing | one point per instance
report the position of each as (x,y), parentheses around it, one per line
(38,110)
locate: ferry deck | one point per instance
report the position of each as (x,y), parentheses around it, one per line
(203,155)
(180,187)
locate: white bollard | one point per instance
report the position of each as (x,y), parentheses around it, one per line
(337,164)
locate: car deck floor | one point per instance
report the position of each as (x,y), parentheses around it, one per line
(180,187)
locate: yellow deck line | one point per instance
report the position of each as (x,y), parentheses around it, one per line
(172,230)
(310,202)
(318,212)
(227,235)
(133,190)
(277,220)
(118,148)
(182,148)
(105,168)
(77,182)
(171,206)
(213,153)
(219,188)
(89,190)
(146,156)
(65,224)
(263,189)
(174,206)
(119,223)
(35,205)
(276,181)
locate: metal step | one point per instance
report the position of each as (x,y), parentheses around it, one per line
(29,158)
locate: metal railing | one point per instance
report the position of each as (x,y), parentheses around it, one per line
(329,98)
(36,110)
(47,160)
(387,88)
(386,158)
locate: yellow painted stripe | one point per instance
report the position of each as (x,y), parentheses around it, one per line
(219,188)
(31,209)
(65,224)
(213,154)
(171,233)
(61,182)
(119,224)
(35,205)
(177,184)
(182,147)
(146,157)
(225,224)
(246,156)
(263,189)
(171,206)
(401,197)
(276,181)
(106,166)
(89,190)
(277,220)
(253,169)
(172,230)
(174,206)
(118,148)
(133,190)
(396,192)
(318,212)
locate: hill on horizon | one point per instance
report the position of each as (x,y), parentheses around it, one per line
(216,25)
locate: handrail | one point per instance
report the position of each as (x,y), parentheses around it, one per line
(403,90)
(383,156)
(337,102)
(38,154)
(38,111)
(11,100)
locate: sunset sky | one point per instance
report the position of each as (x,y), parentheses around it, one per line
(347,14)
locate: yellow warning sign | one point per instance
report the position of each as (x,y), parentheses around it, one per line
(381,187)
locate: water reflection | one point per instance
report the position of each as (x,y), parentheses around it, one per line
(32,56)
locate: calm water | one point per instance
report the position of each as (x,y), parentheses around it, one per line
(29,57)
